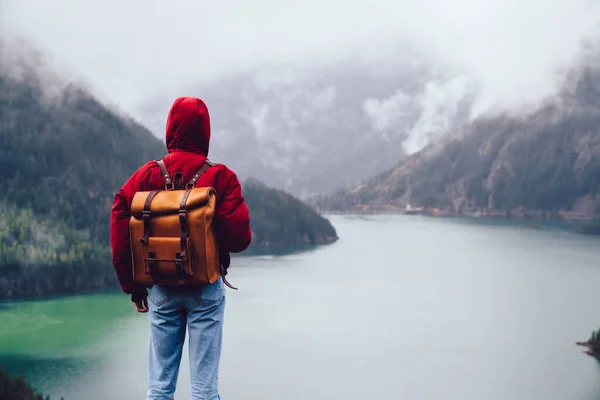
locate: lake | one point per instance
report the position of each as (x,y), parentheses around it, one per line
(402,307)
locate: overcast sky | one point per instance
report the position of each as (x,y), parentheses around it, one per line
(136,49)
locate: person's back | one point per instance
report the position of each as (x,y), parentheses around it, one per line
(173,309)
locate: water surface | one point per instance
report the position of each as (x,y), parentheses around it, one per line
(402,307)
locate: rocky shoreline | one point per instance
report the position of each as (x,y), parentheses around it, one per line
(590,350)
(592,345)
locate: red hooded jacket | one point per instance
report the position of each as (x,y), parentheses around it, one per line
(187,139)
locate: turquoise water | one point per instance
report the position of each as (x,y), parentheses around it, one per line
(402,307)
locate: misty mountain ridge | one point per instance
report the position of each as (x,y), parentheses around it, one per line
(546,161)
(315,129)
(63,156)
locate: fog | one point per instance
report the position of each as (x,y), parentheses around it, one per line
(318,82)
(137,49)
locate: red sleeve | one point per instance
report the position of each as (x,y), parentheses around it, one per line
(119,237)
(232,218)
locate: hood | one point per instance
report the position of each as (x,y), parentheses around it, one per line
(188,126)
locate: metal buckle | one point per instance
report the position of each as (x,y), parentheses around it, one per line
(170,186)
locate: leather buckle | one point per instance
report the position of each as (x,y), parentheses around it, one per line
(151,262)
(146,218)
(179,263)
(179,268)
(183,217)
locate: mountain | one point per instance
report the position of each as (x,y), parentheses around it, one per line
(63,155)
(314,129)
(545,162)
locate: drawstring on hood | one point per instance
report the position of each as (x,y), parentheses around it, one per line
(188,126)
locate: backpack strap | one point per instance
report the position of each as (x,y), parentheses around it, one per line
(146,214)
(183,221)
(206,165)
(225,281)
(183,214)
(169,185)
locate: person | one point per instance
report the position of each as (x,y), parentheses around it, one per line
(172,309)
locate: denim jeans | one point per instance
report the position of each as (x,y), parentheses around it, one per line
(171,311)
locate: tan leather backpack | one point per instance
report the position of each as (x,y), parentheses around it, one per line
(171,233)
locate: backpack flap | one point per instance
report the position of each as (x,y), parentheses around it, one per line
(162,256)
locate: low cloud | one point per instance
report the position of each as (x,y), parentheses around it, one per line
(134,50)
(291,83)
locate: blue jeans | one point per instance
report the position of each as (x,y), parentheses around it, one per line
(201,310)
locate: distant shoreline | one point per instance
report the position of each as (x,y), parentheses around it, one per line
(585,226)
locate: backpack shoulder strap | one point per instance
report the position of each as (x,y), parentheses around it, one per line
(206,165)
(165,174)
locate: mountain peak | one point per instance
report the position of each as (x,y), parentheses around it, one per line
(254,182)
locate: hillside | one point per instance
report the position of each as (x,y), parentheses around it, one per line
(63,155)
(279,219)
(62,158)
(546,162)
(16,388)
